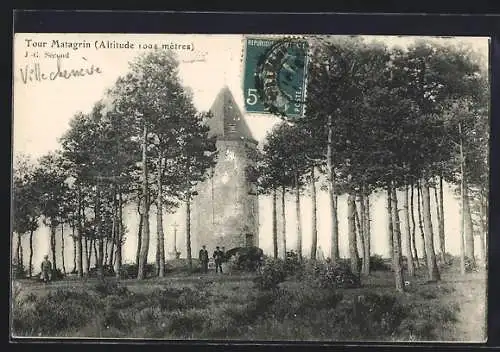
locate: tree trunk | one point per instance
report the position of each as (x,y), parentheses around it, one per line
(396,237)
(438,216)
(359,228)
(334,249)
(30,268)
(463,206)
(367,245)
(139,240)
(299,219)
(119,238)
(99,235)
(409,254)
(101,257)
(390,228)
(413,229)
(114,231)
(484,224)
(79,244)
(157,254)
(420,224)
(283,217)
(275,226)
(73,236)
(429,235)
(19,250)
(188,231)
(314,244)
(62,249)
(111,245)
(96,255)
(442,243)
(87,255)
(53,229)
(483,229)
(106,250)
(159,222)
(351,231)
(469,230)
(145,208)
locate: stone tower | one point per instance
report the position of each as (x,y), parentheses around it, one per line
(225,211)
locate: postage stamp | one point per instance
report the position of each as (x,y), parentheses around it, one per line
(275,76)
(249,187)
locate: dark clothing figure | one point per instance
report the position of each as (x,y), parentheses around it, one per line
(46,270)
(218,256)
(203,257)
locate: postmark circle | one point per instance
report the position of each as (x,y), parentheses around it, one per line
(280,77)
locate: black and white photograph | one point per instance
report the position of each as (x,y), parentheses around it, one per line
(250,187)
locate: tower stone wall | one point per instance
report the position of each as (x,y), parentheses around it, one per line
(225,210)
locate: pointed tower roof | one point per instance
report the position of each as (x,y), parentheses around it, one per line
(227,121)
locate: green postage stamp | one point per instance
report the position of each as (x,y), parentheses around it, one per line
(275,76)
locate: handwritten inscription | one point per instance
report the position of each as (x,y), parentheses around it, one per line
(36,73)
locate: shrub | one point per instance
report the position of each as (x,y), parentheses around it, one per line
(60,310)
(470,265)
(271,274)
(328,275)
(185,323)
(107,287)
(455,261)
(245,258)
(18,270)
(422,319)
(301,302)
(129,271)
(57,275)
(233,263)
(107,271)
(182,298)
(377,263)
(293,264)
(370,316)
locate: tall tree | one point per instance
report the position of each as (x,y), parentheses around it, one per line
(51,187)
(353,249)
(397,265)
(284,163)
(429,242)
(408,238)
(413,227)
(26,208)
(152,93)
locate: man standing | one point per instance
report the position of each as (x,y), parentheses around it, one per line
(203,257)
(218,259)
(46,269)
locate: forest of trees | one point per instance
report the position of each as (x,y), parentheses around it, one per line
(144,142)
(389,120)
(378,119)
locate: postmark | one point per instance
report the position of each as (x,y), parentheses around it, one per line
(275,76)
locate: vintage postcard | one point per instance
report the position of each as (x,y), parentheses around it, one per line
(250,187)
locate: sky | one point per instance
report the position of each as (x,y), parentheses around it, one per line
(42,112)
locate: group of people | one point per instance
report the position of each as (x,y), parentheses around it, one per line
(218,256)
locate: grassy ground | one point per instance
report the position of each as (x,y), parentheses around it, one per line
(231,307)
